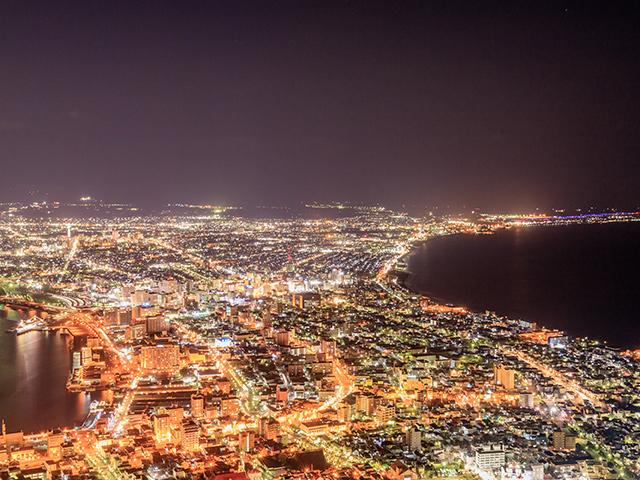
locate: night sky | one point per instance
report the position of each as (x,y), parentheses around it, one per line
(502,106)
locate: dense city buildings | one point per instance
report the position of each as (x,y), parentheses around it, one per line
(265,348)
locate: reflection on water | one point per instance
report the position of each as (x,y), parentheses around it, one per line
(583,279)
(34,368)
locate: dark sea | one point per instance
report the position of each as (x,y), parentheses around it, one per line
(34,368)
(583,279)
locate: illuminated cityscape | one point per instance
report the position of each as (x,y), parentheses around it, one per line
(319,240)
(258,348)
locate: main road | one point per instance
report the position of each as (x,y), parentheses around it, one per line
(568,384)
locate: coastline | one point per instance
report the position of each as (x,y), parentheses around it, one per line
(401,277)
(576,301)
(40,362)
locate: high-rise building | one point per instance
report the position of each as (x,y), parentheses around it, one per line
(139,297)
(162,427)
(558,440)
(168,286)
(224,385)
(526,400)
(414,439)
(190,436)
(562,441)
(324,368)
(365,403)
(160,357)
(282,337)
(570,442)
(489,457)
(385,413)
(86,356)
(77,360)
(156,324)
(282,394)
(246,441)
(328,346)
(537,471)
(306,300)
(197,406)
(136,331)
(272,429)
(176,415)
(156,299)
(229,407)
(118,316)
(344,412)
(212,412)
(266,319)
(55,439)
(503,376)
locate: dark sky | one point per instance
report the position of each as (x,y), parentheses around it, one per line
(505,106)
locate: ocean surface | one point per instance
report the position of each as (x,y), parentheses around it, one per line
(34,368)
(583,279)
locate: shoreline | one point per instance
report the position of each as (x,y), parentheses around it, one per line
(64,398)
(402,279)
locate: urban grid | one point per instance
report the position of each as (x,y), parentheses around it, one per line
(260,348)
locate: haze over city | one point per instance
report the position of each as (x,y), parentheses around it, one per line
(507,106)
